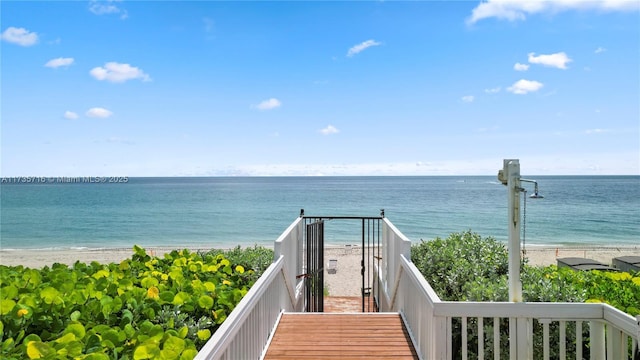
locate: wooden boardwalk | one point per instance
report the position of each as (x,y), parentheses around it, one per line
(341,336)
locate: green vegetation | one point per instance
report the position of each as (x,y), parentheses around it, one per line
(467,267)
(145,307)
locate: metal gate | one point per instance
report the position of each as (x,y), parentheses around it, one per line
(314,259)
(314,278)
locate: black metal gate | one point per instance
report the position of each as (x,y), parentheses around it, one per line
(314,278)
(314,252)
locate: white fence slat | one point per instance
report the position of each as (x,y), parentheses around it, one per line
(596,335)
(496,338)
(480,338)
(563,340)
(578,339)
(545,340)
(463,331)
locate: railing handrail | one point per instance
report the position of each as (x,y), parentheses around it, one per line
(405,290)
(431,317)
(223,336)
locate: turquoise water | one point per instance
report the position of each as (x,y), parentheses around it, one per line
(227,211)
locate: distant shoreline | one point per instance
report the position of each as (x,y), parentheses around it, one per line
(537,255)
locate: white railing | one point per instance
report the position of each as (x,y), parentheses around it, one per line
(438,329)
(546,330)
(245,333)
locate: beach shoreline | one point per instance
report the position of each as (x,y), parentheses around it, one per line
(345,281)
(537,255)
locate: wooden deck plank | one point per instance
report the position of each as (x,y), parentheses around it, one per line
(340,336)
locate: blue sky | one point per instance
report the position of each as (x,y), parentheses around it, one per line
(146,88)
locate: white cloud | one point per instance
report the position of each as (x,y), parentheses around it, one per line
(520,67)
(98,112)
(106,8)
(494,90)
(20,36)
(269,104)
(361,47)
(468,98)
(600,49)
(70,115)
(330,129)
(513,10)
(523,86)
(55,63)
(557,60)
(118,73)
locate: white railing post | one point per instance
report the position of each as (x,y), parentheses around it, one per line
(636,342)
(596,335)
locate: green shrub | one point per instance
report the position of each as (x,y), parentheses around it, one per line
(256,258)
(452,264)
(466,267)
(144,307)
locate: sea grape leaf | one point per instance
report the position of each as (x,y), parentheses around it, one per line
(220,316)
(188,354)
(181,298)
(96,356)
(77,329)
(9,292)
(153,293)
(211,287)
(147,350)
(126,317)
(129,331)
(49,295)
(183,332)
(146,326)
(38,349)
(23,311)
(149,281)
(78,296)
(204,334)
(139,251)
(166,296)
(33,277)
(74,348)
(93,344)
(6,306)
(172,348)
(156,333)
(28,300)
(67,338)
(100,274)
(176,275)
(7,345)
(108,344)
(205,302)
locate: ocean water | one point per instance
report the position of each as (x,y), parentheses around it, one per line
(227,211)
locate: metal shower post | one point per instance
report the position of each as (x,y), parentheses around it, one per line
(510,176)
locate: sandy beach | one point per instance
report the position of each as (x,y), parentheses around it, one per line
(346,280)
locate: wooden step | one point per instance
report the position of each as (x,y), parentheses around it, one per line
(341,336)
